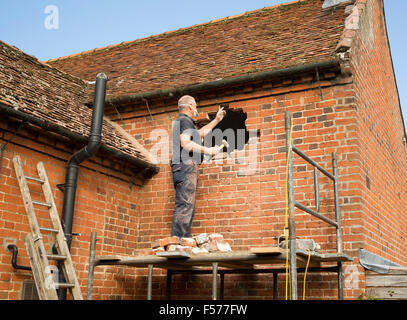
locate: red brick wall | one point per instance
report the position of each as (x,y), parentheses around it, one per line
(360,121)
(383,157)
(248,206)
(105,204)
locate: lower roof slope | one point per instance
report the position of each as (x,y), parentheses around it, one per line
(29,87)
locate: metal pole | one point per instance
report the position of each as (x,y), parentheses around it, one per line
(150,281)
(336,198)
(91,265)
(169,280)
(291,217)
(275,293)
(340,281)
(338,221)
(313,213)
(316,190)
(312,162)
(214,280)
(222,285)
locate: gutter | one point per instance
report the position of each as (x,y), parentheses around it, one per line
(211,85)
(52,127)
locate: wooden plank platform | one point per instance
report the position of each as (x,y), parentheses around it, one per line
(173,254)
(267,250)
(235,259)
(254,261)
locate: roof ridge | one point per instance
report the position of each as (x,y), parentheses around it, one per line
(130,42)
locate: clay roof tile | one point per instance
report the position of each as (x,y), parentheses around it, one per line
(282,36)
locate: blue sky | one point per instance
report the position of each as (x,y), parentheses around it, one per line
(89,24)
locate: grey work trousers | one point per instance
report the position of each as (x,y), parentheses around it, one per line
(185,178)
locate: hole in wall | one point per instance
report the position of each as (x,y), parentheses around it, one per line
(233,128)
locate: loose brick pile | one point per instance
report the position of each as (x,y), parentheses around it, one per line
(202,243)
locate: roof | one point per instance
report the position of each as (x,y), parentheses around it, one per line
(278,37)
(30,87)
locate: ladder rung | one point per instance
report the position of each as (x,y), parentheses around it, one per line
(45,204)
(49,230)
(35,179)
(64,285)
(56,257)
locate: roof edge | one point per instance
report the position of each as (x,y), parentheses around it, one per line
(132,140)
(351,25)
(335,62)
(52,127)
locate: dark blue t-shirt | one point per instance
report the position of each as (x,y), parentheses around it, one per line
(184,124)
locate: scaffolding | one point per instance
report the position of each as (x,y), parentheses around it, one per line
(294,204)
(260,261)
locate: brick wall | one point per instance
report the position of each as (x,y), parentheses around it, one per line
(247,205)
(359,118)
(383,156)
(106,204)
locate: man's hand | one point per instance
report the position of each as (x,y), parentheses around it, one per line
(215,150)
(209,127)
(220,114)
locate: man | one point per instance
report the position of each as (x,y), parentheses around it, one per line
(187,154)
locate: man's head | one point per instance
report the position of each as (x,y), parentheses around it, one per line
(187,105)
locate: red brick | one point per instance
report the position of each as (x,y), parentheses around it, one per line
(201,239)
(189,242)
(165,242)
(177,247)
(215,237)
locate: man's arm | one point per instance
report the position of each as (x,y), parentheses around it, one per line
(189,145)
(209,127)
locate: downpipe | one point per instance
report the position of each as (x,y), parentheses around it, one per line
(72,168)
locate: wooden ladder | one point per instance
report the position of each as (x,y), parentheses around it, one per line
(39,258)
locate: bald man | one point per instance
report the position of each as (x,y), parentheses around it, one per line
(187,154)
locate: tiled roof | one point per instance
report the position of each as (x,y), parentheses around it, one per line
(46,93)
(277,37)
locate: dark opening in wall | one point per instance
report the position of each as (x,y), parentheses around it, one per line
(232,128)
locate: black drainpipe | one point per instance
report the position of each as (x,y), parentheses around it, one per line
(71,175)
(94,142)
(14,249)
